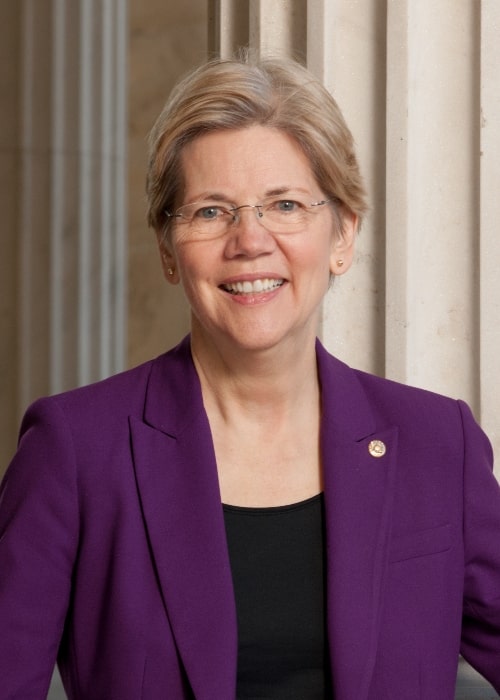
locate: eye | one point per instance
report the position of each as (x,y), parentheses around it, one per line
(209,213)
(286,206)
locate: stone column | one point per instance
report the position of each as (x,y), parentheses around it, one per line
(489,222)
(418,84)
(63,164)
(432,196)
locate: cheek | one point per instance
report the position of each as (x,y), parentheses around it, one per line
(185,255)
(195,264)
(318,257)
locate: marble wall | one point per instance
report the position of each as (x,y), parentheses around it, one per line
(418,84)
(166,40)
(9,176)
(81,288)
(62,168)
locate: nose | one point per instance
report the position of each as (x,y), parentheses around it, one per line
(256,207)
(248,236)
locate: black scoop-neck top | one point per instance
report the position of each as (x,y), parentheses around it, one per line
(277,561)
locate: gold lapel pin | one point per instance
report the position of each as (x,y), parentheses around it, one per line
(377,448)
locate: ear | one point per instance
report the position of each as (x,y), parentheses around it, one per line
(168,262)
(342,249)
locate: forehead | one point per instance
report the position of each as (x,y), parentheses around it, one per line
(254,160)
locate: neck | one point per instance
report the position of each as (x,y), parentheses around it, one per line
(260,382)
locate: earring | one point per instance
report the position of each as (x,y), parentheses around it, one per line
(340,262)
(170,271)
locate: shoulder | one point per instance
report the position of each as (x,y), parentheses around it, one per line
(108,401)
(416,411)
(392,396)
(421,414)
(116,394)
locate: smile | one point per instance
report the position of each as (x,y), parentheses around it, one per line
(254,287)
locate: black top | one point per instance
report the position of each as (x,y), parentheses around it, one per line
(277,561)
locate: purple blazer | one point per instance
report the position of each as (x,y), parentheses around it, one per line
(113,554)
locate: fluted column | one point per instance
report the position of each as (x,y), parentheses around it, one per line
(489,221)
(66,234)
(432,241)
(418,84)
(346,50)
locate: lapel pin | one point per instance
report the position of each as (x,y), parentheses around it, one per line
(377,448)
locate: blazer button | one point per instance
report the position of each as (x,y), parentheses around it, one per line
(377,448)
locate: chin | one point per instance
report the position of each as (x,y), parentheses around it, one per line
(256,337)
(270,339)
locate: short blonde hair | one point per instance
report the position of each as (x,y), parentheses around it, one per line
(228,94)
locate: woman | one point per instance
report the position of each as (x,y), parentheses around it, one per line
(246,516)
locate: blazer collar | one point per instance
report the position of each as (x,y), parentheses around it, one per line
(179,490)
(178,484)
(358,503)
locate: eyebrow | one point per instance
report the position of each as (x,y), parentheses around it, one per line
(273,192)
(285,190)
(213,196)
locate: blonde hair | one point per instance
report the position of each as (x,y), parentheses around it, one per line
(228,94)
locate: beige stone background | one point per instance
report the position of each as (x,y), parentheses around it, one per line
(65,316)
(81,291)
(166,40)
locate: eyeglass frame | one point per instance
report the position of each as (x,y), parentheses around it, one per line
(234,210)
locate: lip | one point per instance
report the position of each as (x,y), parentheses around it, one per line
(256,297)
(251,277)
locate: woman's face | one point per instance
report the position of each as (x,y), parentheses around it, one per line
(252,288)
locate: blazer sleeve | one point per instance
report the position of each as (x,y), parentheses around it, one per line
(481,610)
(38,543)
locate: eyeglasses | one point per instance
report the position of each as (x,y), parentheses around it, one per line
(275,214)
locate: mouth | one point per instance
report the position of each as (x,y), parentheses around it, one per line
(257,286)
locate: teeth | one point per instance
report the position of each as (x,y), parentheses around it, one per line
(261,285)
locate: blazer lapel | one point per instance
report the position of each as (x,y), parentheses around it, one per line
(358,501)
(178,485)
(177,480)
